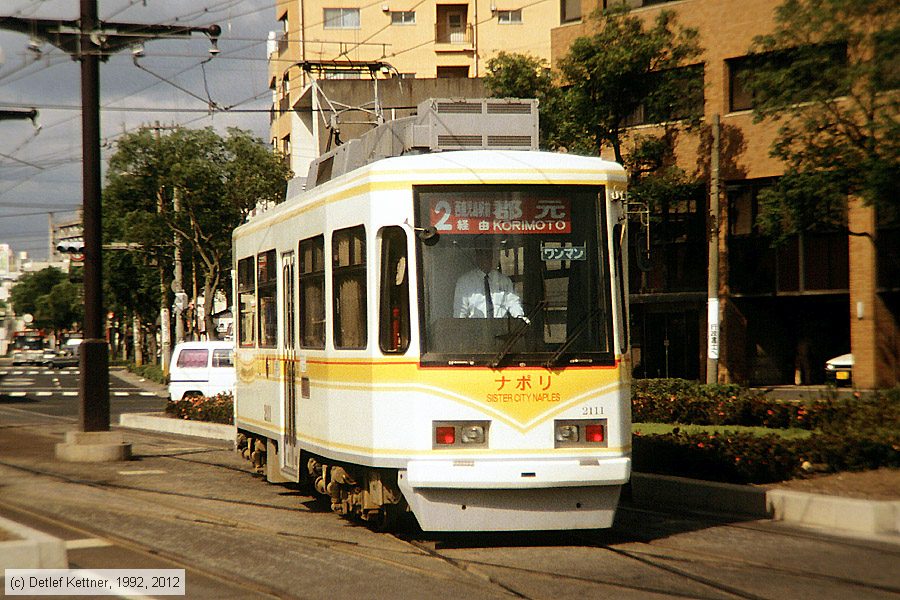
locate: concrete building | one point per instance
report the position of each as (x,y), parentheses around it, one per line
(416,40)
(783,311)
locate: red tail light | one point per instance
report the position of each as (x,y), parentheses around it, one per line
(593,433)
(445,435)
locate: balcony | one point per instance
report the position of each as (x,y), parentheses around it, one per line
(453,39)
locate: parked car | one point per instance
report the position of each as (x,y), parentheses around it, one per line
(201,369)
(839,370)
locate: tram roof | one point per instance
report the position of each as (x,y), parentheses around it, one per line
(459,167)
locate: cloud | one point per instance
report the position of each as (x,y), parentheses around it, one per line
(44,168)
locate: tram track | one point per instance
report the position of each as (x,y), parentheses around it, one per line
(650,552)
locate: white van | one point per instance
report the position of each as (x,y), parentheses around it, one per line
(201,369)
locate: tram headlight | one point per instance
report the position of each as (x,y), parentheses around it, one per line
(567,433)
(472,434)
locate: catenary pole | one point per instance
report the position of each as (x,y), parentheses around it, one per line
(94,353)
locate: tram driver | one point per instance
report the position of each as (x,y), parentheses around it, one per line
(484,292)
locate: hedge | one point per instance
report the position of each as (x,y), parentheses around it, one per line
(850,434)
(689,403)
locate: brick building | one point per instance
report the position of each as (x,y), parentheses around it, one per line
(781,309)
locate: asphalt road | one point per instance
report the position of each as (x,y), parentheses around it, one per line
(55,392)
(192,503)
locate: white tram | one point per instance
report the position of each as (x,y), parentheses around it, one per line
(359,374)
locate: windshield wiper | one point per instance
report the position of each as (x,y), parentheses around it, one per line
(572,337)
(517,335)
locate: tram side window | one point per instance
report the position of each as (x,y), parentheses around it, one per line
(312,292)
(266,274)
(246,289)
(394,309)
(349,284)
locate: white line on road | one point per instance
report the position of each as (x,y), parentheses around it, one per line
(145,472)
(70,393)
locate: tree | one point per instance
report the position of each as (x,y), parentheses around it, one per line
(511,75)
(828,74)
(217,182)
(623,67)
(48,295)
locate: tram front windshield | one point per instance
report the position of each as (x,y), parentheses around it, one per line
(514,275)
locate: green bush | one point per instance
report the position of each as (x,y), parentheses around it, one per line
(849,434)
(746,458)
(151,372)
(217,409)
(687,402)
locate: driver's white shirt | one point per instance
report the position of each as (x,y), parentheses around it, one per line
(469,298)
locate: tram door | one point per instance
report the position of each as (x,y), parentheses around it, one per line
(289,452)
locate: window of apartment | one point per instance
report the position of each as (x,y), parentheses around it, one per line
(569,11)
(678,94)
(266,278)
(509,17)
(810,72)
(341,18)
(246,289)
(348,260)
(312,292)
(452,72)
(403,17)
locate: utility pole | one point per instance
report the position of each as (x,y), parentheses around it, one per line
(177,283)
(89,40)
(713,332)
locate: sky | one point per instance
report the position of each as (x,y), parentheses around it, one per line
(174,83)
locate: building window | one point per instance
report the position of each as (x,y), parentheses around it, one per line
(452,72)
(341,18)
(819,69)
(569,11)
(312,292)
(403,17)
(509,17)
(266,278)
(678,94)
(246,288)
(348,260)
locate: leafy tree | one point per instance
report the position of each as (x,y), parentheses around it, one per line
(828,74)
(512,75)
(624,66)
(217,182)
(48,295)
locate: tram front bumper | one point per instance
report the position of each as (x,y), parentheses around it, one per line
(520,495)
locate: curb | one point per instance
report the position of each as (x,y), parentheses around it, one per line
(32,550)
(155,422)
(835,513)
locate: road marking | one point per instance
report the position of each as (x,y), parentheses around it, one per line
(44,394)
(146,472)
(120,393)
(147,394)
(18,394)
(17,381)
(87,543)
(70,393)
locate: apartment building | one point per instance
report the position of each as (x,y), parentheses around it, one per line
(400,40)
(783,311)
